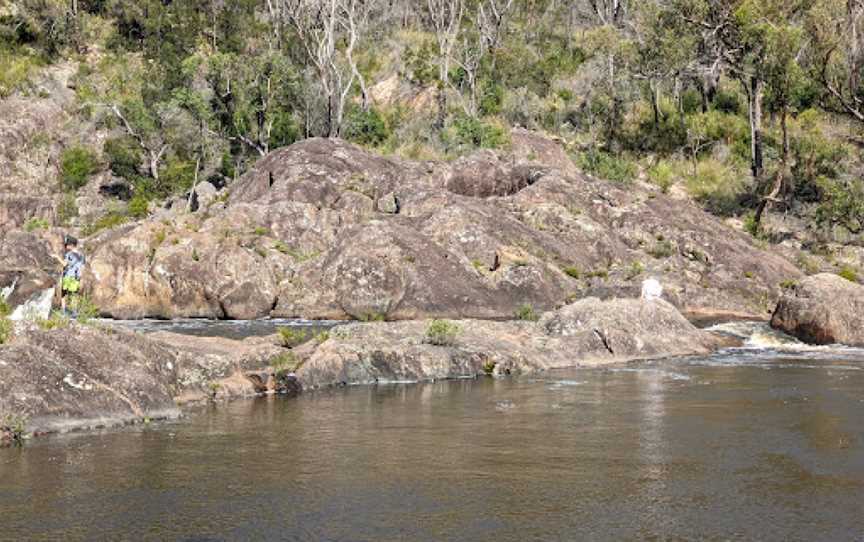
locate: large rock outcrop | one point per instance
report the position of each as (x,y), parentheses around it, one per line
(85,377)
(588,332)
(823,309)
(324,229)
(78,377)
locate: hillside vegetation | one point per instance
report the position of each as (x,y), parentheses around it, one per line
(752,107)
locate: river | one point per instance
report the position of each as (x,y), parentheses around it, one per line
(764,442)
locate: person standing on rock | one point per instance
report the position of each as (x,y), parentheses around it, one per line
(73,265)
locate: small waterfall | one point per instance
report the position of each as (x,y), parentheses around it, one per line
(761,336)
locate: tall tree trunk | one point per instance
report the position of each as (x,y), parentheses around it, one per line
(756,93)
(654,88)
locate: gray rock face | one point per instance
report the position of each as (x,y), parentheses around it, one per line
(311,232)
(589,332)
(83,377)
(28,266)
(823,309)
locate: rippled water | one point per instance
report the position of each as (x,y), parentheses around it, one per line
(750,444)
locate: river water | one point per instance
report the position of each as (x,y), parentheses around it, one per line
(764,442)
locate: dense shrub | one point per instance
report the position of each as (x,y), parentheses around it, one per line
(139,206)
(663,174)
(468,132)
(77,165)
(442,333)
(365,127)
(607,166)
(124,157)
(842,204)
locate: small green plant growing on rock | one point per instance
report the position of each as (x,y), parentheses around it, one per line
(6,327)
(663,249)
(13,430)
(489,367)
(36,223)
(598,274)
(285,363)
(195,256)
(83,308)
(849,273)
(442,333)
(572,272)
(322,337)
(636,268)
(526,312)
(56,321)
(373,317)
(290,337)
(261,231)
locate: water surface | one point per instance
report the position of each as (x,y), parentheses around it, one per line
(750,444)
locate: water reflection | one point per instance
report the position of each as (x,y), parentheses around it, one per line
(737,446)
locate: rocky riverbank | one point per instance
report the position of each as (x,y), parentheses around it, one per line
(80,377)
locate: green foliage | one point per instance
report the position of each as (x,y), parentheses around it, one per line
(636,268)
(607,166)
(442,333)
(14,426)
(843,204)
(6,326)
(77,165)
(717,186)
(55,321)
(788,284)
(124,157)
(290,337)
(16,69)
(83,308)
(572,272)
(36,223)
(849,273)
(286,363)
(108,221)
(750,225)
(365,127)
(373,317)
(663,249)
(139,206)
(526,312)
(663,174)
(469,133)
(420,66)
